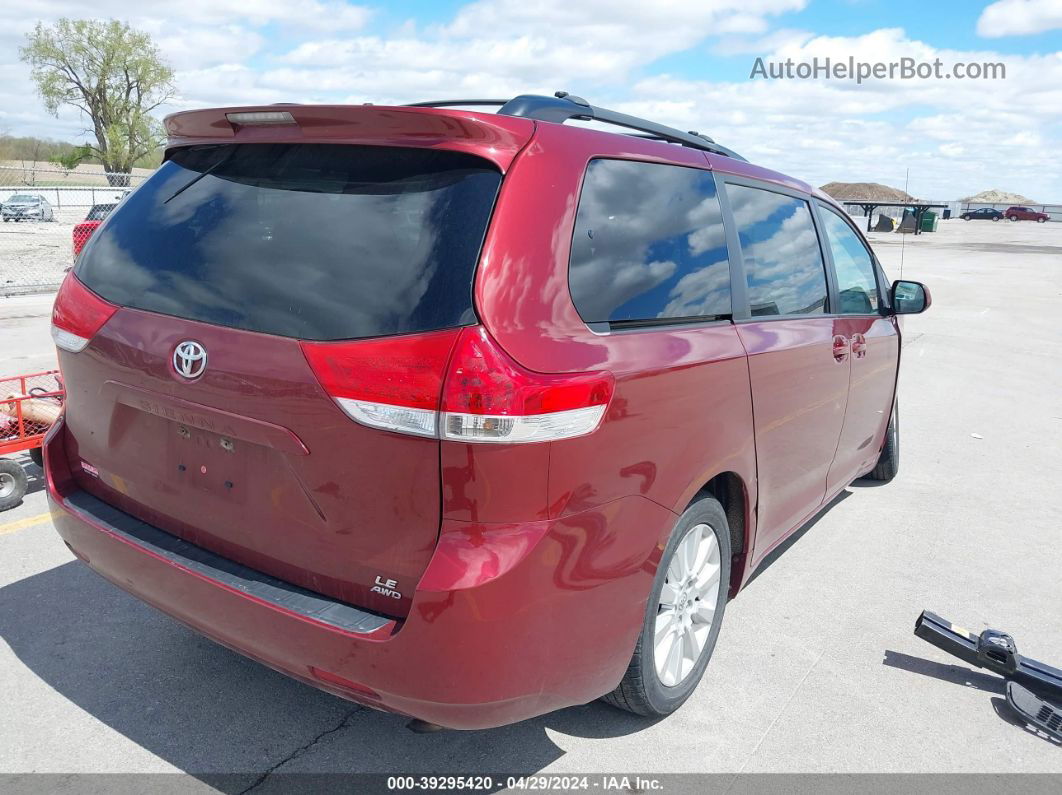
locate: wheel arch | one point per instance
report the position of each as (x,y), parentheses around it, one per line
(731,491)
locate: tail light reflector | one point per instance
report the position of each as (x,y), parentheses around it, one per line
(78,313)
(458,385)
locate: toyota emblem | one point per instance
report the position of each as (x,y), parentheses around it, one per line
(189,359)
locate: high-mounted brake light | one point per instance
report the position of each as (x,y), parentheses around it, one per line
(457,385)
(261,117)
(78,313)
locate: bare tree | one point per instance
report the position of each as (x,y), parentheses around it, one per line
(29,174)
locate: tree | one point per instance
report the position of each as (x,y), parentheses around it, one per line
(72,158)
(114,75)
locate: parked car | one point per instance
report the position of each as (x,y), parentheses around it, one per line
(83,231)
(467,416)
(982,214)
(1025,214)
(27,207)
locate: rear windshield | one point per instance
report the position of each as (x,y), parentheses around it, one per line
(314,241)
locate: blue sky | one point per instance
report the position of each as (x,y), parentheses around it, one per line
(682,63)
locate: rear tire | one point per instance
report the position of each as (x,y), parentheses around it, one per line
(37,456)
(643,691)
(889,460)
(13,483)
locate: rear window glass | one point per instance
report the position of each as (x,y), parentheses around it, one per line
(314,241)
(649,245)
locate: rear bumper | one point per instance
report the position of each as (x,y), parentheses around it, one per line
(508,621)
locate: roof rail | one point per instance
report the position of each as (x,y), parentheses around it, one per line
(449,103)
(563,106)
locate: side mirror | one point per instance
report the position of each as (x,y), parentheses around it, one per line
(910,298)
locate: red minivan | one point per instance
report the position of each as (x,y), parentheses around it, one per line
(464,415)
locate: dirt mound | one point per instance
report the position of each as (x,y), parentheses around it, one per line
(872,191)
(998,197)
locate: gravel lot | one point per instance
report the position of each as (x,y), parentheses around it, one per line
(34,253)
(816,668)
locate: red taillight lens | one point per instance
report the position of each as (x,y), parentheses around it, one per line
(400,384)
(392,383)
(82,232)
(488,397)
(78,313)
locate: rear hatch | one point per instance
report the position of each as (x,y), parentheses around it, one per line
(196,408)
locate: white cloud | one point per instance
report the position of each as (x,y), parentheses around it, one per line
(950,133)
(1019,17)
(318,15)
(829,130)
(745,45)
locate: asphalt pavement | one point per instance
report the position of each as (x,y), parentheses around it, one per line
(816,669)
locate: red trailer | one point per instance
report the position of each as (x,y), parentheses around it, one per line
(29,404)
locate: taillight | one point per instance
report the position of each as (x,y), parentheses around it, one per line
(77,315)
(457,385)
(391,383)
(488,397)
(82,232)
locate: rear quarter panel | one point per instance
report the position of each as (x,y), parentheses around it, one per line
(682,408)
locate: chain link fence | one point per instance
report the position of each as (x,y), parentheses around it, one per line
(1053,211)
(48,214)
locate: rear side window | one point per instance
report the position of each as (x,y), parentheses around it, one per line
(314,241)
(783,262)
(648,245)
(856,285)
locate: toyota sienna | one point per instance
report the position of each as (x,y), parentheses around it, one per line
(464,415)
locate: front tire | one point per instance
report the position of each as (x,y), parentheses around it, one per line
(682,616)
(1041,220)
(1012,218)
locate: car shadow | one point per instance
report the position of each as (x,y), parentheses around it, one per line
(781,549)
(228,720)
(34,475)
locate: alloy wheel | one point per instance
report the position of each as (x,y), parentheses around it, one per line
(687,605)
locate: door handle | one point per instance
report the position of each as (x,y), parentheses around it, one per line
(859,346)
(840,348)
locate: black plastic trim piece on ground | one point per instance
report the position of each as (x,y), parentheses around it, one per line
(992,650)
(1035,711)
(224,571)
